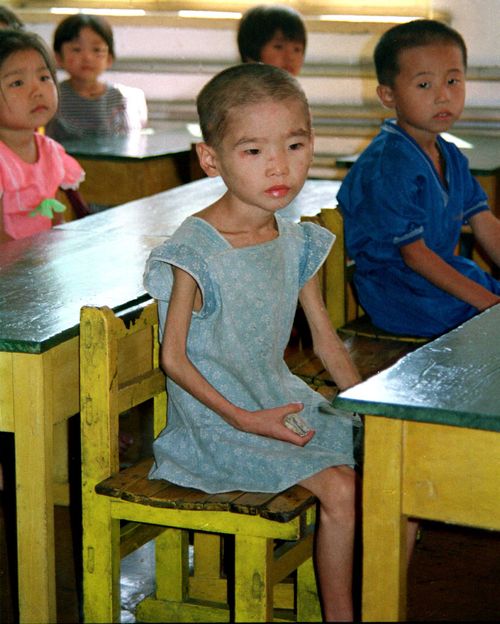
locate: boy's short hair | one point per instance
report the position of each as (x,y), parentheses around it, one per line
(243,85)
(9,18)
(259,24)
(70,28)
(412,34)
(18,40)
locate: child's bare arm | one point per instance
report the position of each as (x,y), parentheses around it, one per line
(176,363)
(424,261)
(486,228)
(326,343)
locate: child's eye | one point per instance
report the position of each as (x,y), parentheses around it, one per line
(253,151)
(424,85)
(16,83)
(46,78)
(295,146)
(453,81)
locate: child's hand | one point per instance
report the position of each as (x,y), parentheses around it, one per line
(271,423)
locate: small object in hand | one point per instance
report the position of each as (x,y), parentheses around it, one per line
(297,424)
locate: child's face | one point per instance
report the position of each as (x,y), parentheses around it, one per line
(86,57)
(28,96)
(429,91)
(265,154)
(283,53)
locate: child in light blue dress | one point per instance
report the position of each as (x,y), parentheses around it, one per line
(227,283)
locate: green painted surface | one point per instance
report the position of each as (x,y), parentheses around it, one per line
(453,380)
(99,260)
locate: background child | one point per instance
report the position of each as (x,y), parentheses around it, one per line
(273,34)
(407,196)
(84,48)
(32,166)
(227,284)
(8,19)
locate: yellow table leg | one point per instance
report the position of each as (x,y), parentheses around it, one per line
(384,526)
(35,509)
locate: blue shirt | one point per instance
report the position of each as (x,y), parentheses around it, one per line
(393,196)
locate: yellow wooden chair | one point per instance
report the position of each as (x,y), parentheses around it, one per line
(346,313)
(272,535)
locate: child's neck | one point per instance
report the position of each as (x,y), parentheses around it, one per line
(236,226)
(21,142)
(90,89)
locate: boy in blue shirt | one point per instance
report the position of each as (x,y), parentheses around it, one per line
(408,195)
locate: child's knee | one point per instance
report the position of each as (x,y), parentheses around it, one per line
(338,498)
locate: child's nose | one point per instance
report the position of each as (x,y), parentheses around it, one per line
(278,164)
(443,93)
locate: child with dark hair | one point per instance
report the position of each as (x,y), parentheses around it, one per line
(273,34)
(227,284)
(8,19)
(406,198)
(32,166)
(84,48)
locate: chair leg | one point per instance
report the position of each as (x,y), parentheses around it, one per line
(207,581)
(253,594)
(101,565)
(172,565)
(308,605)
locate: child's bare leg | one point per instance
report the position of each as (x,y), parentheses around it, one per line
(335,489)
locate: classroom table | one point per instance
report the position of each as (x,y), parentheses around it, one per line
(483,154)
(119,169)
(44,281)
(432,451)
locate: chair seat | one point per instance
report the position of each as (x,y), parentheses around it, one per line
(133,485)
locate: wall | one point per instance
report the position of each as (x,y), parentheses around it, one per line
(171,61)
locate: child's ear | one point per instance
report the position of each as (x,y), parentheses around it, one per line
(386,96)
(208,159)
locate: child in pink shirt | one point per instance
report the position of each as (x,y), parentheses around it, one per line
(32,166)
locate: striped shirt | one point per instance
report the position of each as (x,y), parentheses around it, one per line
(118,111)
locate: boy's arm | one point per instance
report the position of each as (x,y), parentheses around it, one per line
(326,343)
(179,368)
(418,257)
(486,228)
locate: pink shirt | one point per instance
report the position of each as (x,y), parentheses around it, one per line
(23,186)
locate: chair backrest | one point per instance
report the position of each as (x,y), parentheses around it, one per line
(336,274)
(119,369)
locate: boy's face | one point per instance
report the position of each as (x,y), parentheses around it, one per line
(86,57)
(283,53)
(429,92)
(265,154)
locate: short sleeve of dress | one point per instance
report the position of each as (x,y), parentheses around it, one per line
(158,275)
(317,244)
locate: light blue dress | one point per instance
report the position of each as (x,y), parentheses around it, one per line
(237,341)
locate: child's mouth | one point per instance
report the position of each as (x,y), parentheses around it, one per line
(278,191)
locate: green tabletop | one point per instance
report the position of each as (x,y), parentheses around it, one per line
(162,213)
(453,380)
(140,145)
(99,260)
